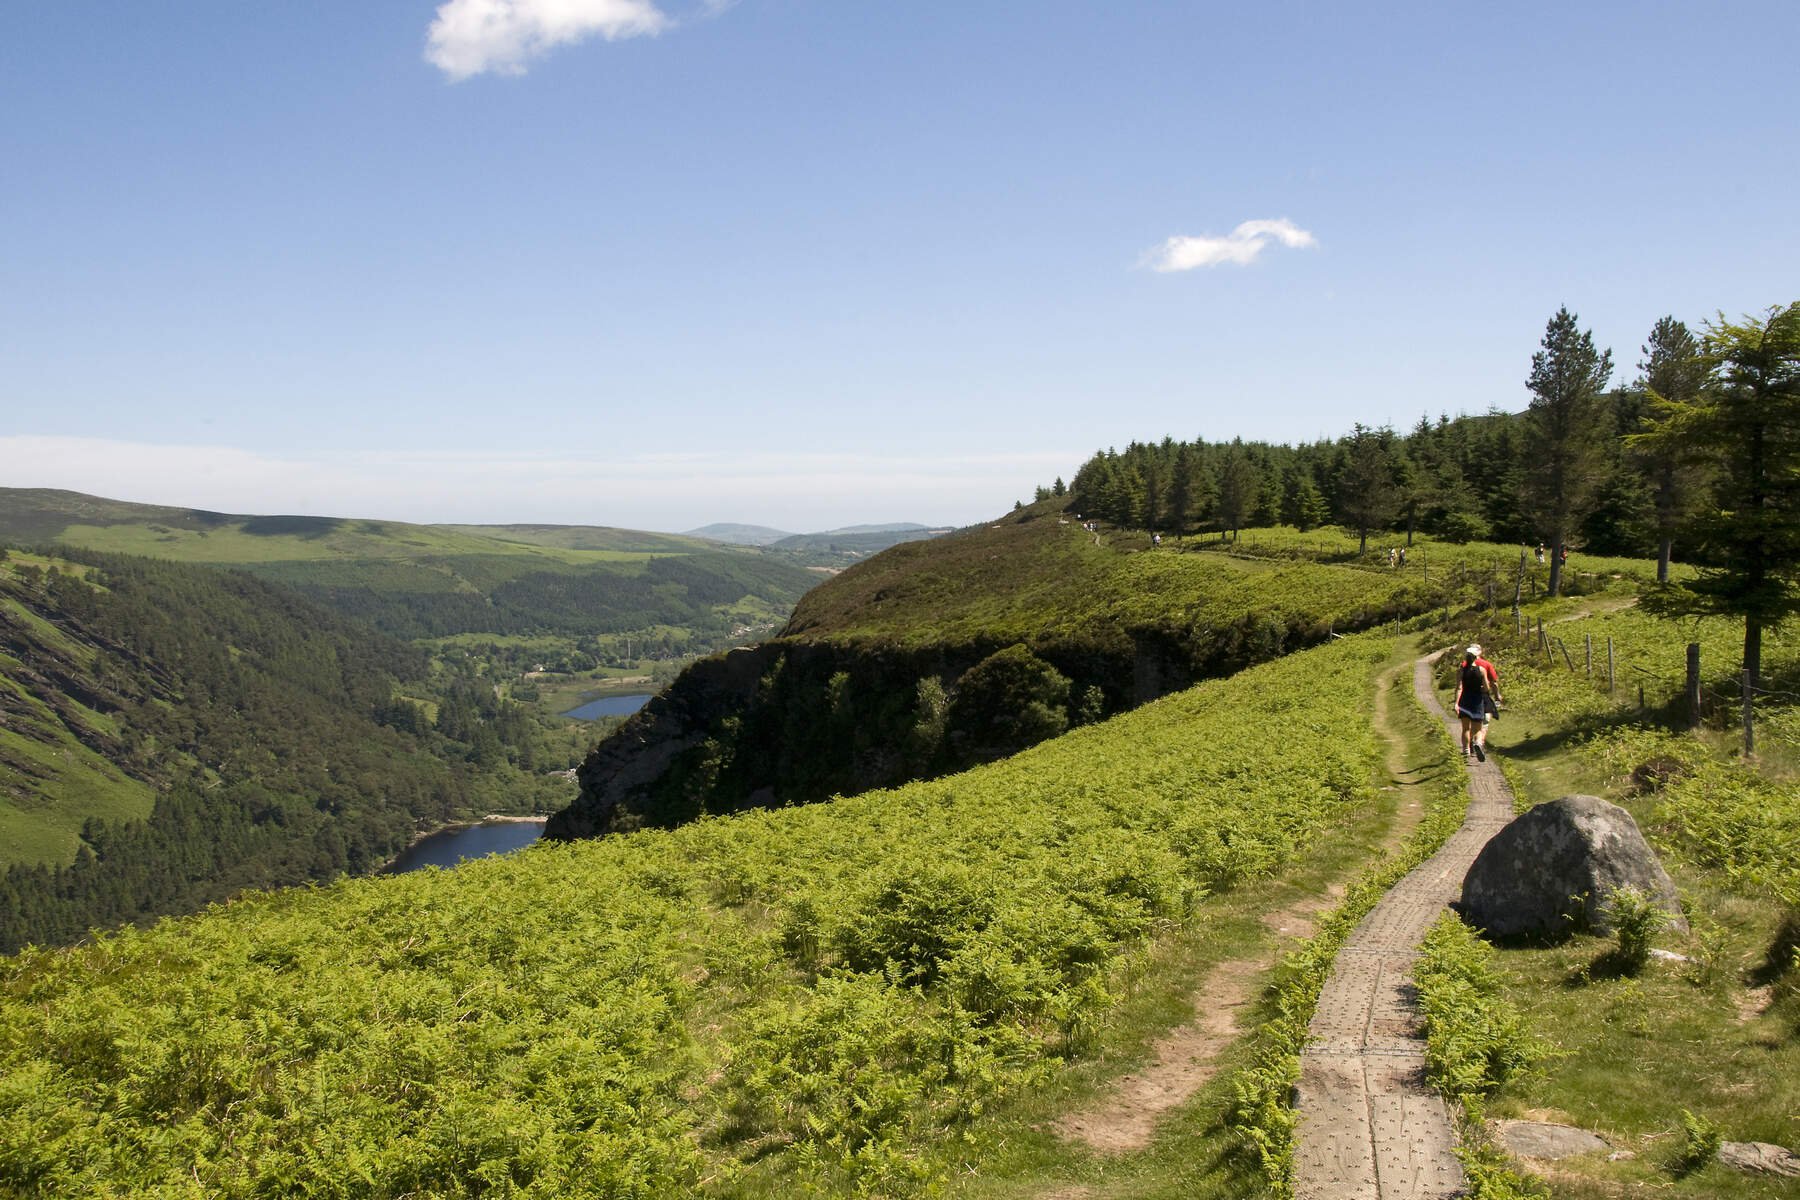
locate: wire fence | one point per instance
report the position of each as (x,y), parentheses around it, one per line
(1691,687)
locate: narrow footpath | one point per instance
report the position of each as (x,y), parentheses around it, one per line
(1370,1127)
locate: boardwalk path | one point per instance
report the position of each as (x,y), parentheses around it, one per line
(1371,1128)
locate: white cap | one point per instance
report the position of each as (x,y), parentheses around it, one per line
(1474,649)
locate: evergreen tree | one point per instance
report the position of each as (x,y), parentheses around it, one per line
(1367,494)
(1239,485)
(1673,375)
(1566,434)
(1181,490)
(1749,416)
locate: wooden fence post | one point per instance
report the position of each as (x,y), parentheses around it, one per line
(1693,685)
(1588,641)
(1612,679)
(1749,720)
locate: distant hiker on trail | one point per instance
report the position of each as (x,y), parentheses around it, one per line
(1540,554)
(1156,539)
(1471,702)
(1403,556)
(1393,557)
(1492,709)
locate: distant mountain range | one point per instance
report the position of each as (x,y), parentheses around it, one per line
(437,581)
(762,535)
(831,549)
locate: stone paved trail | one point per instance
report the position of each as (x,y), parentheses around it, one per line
(1371,1128)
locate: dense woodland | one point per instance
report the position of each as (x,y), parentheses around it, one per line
(413,600)
(1699,455)
(279,738)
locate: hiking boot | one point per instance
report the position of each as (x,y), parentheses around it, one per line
(1480,752)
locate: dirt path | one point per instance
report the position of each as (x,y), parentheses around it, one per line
(1371,1128)
(1185,1059)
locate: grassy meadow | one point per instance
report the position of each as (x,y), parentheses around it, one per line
(1706,1037)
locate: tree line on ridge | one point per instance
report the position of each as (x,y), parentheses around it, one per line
(1699,453)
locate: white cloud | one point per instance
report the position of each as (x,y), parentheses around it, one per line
(1240,246)
(648,491)
(472,36)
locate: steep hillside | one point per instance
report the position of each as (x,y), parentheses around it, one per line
(828,1000)
(434,581)
(839,548)
(939,654)
(170,734)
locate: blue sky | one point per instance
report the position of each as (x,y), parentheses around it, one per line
(655,263)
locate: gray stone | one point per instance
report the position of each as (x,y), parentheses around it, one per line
(1544,1140)
(1551,870)
(1760,1158)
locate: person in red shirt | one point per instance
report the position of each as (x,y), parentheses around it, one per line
(1471,703)
(1492,697)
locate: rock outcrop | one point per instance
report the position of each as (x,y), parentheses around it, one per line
(1551,871)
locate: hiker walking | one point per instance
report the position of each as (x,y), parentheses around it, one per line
(1492,708)
(1471,703)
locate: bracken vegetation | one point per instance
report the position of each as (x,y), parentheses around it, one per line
(819,995)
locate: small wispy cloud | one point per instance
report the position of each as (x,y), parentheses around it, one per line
(469,37)
(1241,246)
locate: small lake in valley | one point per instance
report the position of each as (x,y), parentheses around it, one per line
(608,706)
(447,847)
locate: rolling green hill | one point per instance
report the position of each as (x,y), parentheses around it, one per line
(822,1000)
(839,548)
(170,734)
(939,654)
(437,581)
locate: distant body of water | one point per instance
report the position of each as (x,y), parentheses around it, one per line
(608,706)
(447,847)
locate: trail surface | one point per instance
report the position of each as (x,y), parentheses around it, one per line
(1182,1061)
(1371,1128)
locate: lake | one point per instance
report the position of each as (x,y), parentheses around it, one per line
(608,706)
(447,847)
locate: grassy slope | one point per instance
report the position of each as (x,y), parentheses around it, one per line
(51,779)
(833,994)
(393,559)
(1033,577)
(193,535)
(1718,1035)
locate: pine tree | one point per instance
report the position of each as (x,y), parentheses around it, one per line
(1749,417)
(1566,434)
(1367,495)
(1673,374)
(1240,483)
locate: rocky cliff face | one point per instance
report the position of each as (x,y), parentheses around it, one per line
(793,721)
(618,776)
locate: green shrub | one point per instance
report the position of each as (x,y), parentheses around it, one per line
(1636,919)
(1009,700)
(1475,1039)
(1700,1142)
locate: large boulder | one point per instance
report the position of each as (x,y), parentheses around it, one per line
(1551,871)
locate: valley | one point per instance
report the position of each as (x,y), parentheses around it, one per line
(901,900)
